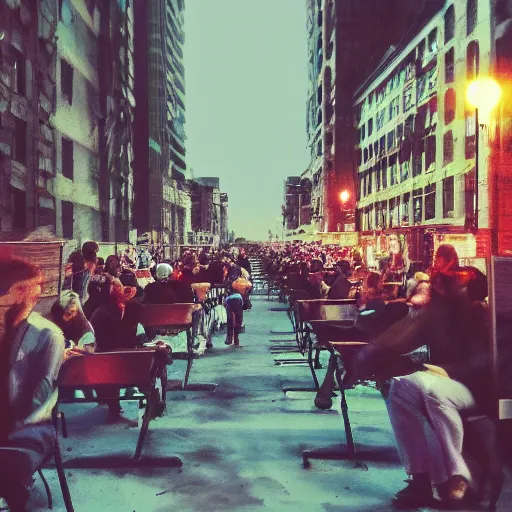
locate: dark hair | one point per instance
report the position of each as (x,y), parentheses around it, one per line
(100,262)
(89,250)
(112,265)
(15,270)
(448,252)
(128,278)
(77,261)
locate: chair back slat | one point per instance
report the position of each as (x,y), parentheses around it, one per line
(318,309)
(121,368)
(168,315)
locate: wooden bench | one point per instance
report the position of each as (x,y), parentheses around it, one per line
(118,369)
(176,318)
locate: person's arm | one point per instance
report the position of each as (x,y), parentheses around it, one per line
(49,360)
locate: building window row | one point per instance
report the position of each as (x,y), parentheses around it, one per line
(416,207)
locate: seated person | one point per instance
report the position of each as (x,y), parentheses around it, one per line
(115,324)
(161,291)
(424,406)
(31,353)
(67,314)
(340,289)
(419,295)
(99,293)
(372,297)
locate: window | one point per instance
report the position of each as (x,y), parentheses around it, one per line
(469,197)
(417,158)
(432,41)
(449,106)
(363,132)
(382,145)
(370,151)
(19,208)
(421,50)
(448,148)
(66,81)
(449,24)
(67,219)
(405,208)
(391,140)
(471,16)
(394,212)
(370,182)
(370,127)
(20,141)
(449,66)
(473,60)
(405,170)
(430,202)
(470,134)
(384,173)
(67,158)
(365,155)
(19,83)
(399,132)
(408,98)
(394,108)
(430,153)
(378,180)
(379,120)
(393,176)
(417,205)
(448,197)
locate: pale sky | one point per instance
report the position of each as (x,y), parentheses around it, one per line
(246,86)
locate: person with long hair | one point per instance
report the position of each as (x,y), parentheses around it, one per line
(31,354)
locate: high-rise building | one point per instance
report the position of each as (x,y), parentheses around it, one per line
(66,115)
(162,203)
(344,37)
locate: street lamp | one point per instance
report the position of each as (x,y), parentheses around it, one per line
(344,196)
(483,94)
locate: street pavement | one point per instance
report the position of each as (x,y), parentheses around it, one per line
(240,446)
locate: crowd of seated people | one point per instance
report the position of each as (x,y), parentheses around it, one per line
(444,308)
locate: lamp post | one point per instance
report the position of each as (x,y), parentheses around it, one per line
(483,94)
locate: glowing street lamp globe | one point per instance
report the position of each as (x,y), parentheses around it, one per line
(484,93)
(344,196)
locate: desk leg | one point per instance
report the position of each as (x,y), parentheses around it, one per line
(348,451)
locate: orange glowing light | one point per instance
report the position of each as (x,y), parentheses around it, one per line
(484,93)
(344,196)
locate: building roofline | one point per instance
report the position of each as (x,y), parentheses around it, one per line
(430,9)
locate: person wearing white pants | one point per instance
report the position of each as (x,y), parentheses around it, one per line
(424,412)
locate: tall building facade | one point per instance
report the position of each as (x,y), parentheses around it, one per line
(345,37)
(416,151)
(28,76)
(162,202)
(65,105)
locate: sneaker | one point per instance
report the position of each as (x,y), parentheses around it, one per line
(418,493)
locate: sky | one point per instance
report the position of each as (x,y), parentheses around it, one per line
(246,85)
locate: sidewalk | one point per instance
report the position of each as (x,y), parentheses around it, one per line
(241,446)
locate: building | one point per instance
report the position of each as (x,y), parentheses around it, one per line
(292,207)
(28,73)
(344,38)
(66,128)
(162,201)
(209,212)
(416,164)
(224,219)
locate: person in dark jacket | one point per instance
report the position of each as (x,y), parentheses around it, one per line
(243,260)
(161,291)
(424,407)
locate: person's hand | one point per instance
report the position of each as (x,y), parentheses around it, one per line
(436,370)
